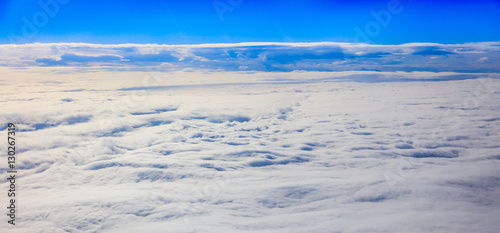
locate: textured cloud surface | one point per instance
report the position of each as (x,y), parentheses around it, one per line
(149,138)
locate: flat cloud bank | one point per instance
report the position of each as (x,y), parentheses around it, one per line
(322,56)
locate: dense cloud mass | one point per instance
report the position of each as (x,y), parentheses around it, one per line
(472,57)
(201,138)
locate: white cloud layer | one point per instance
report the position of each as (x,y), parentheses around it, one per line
(199,150)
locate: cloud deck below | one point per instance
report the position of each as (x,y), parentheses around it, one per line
(251,151)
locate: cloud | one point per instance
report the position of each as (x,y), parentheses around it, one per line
(222,151)
(324,56)
(484,60)
(49,61)
(69,58)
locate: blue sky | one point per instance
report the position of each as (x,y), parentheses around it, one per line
(193,22)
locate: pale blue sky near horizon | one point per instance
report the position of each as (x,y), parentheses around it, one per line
(232,21)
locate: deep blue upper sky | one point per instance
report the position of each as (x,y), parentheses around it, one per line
(193,22)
